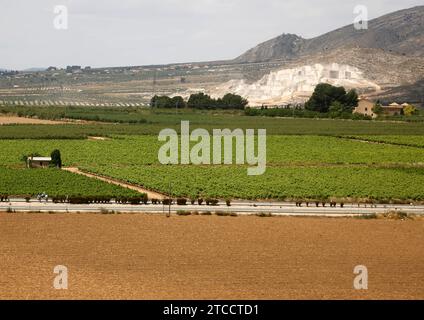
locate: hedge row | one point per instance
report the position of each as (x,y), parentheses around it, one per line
(99,199)
(183,201)
(133,200)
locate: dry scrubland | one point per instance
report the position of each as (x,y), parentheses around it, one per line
(152,257)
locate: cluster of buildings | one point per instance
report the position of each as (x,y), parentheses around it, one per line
(366,107)
(70,69)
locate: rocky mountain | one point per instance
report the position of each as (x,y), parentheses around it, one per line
(384,61)
(401,32)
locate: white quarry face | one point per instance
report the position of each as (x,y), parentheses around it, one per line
(296,85)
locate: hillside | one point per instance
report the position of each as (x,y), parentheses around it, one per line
(384,62)
(401,32)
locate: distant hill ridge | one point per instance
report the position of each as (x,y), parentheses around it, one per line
(401,32)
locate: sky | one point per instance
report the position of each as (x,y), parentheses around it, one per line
(107,33)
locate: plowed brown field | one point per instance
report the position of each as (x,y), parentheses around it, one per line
(208,257)
(21,120)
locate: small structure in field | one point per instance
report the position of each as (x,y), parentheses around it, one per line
(365,107)
(393,109)
(39,162)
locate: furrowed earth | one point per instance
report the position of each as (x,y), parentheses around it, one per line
(198,257)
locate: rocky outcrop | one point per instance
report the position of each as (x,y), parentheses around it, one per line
(296,85)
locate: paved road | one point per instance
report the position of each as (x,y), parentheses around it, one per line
(276,208)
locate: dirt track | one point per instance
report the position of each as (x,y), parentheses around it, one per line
(21,120)
(208,257)
(150,194)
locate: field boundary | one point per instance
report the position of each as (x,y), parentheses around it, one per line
(151,194)
(362,139)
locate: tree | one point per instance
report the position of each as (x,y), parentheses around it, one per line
(201,101)
(351,100)
(161,102)
(409,110)
(324,95)
(56,159)
(336,109)
(178,102)
(232,101)
(378,109)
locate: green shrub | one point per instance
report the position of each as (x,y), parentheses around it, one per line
(368,216)
(89,199)
(221,213)
(183,213)
(181,201)
(106,211)
(211,202)
(264,215)
(167,202)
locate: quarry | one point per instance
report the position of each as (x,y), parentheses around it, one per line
(292,86)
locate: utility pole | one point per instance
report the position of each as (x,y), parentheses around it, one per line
(169,200)
(154,89)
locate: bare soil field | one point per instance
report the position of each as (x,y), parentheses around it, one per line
(21,120)
(208,257)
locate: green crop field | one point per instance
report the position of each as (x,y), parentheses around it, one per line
(413,141)
(283,182)
(148,122)
(54,182)
(298,167)
(123,151)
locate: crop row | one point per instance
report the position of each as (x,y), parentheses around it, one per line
(54,182)
(284,183)
(143,150)
(411,141)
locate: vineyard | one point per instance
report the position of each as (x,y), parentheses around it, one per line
(412,141)
(124,151)
(26,182)
(284,183)
(139,121)
(298,167)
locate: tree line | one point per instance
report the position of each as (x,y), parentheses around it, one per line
(200,101)
(327,101)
